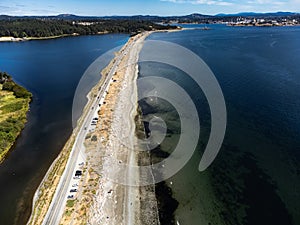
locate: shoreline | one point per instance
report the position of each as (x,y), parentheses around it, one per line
(13,39)
(40,201)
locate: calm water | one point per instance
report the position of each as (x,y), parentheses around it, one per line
(51,70)
(256,176)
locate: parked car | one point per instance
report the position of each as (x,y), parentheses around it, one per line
(70,196)
(73,190)
(78,173)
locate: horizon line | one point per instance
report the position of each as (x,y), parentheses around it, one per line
(132,15)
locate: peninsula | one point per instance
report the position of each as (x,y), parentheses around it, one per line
(14,104)
(78,188)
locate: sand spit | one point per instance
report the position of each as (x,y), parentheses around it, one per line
(100,200)
(115,203)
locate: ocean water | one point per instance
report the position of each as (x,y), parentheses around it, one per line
(51,70)
(255,178)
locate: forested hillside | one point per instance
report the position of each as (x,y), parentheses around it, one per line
(21,28)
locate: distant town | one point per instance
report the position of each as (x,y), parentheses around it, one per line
(241,19)
(264,22)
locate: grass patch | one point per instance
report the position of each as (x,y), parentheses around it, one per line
(70,203)
(12,107)
(68,213)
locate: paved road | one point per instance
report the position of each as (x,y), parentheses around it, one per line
(59,200)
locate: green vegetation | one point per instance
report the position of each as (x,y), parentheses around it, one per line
(21,28)
(70,203)
(94,138)
(14,104)
(18,91)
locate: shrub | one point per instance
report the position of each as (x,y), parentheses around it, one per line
(8,86)
(19,91)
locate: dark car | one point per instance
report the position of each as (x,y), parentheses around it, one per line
(73,190)
(78,173)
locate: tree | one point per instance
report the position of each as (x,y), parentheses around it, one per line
(21,92)
(8,86)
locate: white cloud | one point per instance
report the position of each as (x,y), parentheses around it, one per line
(265,2)
(287,3)
(201,2)
(244,4)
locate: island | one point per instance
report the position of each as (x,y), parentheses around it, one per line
(14,105)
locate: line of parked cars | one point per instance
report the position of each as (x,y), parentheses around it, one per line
(94,121)
(78,174)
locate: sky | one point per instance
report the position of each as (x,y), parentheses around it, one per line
(143,7)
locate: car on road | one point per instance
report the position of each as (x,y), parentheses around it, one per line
(73,190)
(70,196)
(81,164)
(76,178)
(75,185)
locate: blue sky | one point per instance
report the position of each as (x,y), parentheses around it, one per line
(145,7)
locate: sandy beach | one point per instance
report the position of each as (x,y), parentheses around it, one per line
(7,39)
(13,39)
